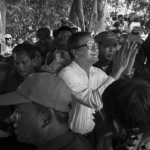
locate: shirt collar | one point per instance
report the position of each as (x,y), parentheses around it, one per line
(79,68)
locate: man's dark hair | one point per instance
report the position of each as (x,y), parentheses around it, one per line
(117,31)
(64,28)
(43,33)
(55,34)
(117,24)
(74,40)
(120,16)
(26,47)
(128,102)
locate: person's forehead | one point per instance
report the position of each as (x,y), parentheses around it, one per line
(65,33)
(108,45)
(21,55)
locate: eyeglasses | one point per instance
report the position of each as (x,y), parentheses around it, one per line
(89,45)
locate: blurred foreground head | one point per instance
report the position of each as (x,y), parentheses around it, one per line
(127,101)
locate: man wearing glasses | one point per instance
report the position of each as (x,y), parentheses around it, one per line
(88,82)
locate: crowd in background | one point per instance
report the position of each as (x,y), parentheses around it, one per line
(114,65)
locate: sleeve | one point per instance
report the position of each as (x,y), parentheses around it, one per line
(82,93)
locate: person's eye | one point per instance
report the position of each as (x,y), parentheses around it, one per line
(90,44)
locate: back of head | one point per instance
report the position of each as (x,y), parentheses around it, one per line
(120,16)
(26,47)
(43,33)
(128,102)
(55,34)
(117,31)
(117,24)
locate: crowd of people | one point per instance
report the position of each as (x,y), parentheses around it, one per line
(76,91)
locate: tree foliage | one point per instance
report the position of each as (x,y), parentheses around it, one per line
(25,18)
(139,5)
(29,15)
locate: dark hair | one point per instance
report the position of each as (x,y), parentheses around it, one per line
(120,16)
(55,34)
(128,102)
(74,40)
(7,68)
(117,24)
(117,31)
(64,28)
(26,47)
(43,33)
(136,19)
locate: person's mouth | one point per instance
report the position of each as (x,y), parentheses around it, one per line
(95,55)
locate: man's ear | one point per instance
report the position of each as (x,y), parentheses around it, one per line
(73,51)
(47,117)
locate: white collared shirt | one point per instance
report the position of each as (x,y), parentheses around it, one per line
(88,91)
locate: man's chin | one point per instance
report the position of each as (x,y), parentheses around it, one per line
(95,60)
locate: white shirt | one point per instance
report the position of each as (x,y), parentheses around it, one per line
(88,91)
(8,49)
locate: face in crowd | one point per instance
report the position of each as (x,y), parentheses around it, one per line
(25,117)
(8,41)
(64,35)
(86,49)
(107,42)
(24,65)
(107,51)
(41,114)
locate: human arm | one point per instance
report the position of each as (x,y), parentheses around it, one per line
(81,90)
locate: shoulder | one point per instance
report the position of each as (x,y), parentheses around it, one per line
(69,70)
(79,143)
(98,71)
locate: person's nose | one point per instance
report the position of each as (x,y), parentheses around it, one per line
(95,48)
(20,65)
(112,49)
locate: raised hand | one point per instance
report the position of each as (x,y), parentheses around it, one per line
(134,50)
(121,59)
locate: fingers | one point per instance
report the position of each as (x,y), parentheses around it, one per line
(122,50)
(132,50)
